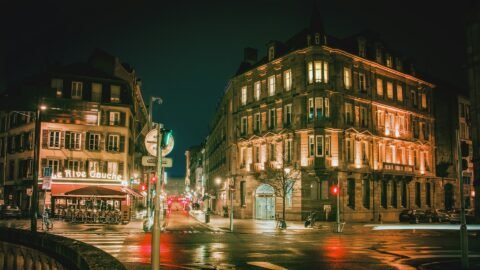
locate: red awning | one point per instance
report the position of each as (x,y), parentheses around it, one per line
(79,190)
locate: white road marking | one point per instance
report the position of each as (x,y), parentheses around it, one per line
(267,265)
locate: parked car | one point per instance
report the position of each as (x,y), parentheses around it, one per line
(455,216)
(414,216)
(10,211)
(442,215)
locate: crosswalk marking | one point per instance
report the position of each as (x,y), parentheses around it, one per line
(110,243)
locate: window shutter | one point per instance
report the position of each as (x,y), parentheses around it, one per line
(43,164)
(44,138)
(82,166)
(122,144)
(83,140)
(102,142)
(87,141)
(67,140)
(87,168)
(122,119)
(18,143)
(65,164)
(120,169)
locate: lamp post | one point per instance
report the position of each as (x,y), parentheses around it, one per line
(159,101)
(231,190)
(155,256)
(36,158)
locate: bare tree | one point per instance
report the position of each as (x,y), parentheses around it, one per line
(282,179)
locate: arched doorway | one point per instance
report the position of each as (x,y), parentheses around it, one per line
(448,189)
(265,202)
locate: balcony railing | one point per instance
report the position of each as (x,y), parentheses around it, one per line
(393,167)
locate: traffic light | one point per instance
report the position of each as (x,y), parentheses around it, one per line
(153,178)
(335,190)
(166,135)
(143,187)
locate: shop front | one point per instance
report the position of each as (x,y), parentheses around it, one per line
(91,203)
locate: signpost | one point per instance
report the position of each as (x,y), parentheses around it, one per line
(151,143)
(149,161)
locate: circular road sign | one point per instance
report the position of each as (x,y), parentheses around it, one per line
(151,143)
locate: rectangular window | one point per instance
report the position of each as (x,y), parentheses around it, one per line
(57,86)
(54,139)
(400,92)
(317,72)
(347,78)
(327,107)
(363,117)
(362,82)
(73,140)
(112,167)
(11,170)
(287,80)
(348,113)
(96,92)
(258,122)
(428,195)
(114,118)
(271,118)
(257,90)
(311,109)
(319,107)
(351,193)
(327,145)
(74,165)
(287,111)
(366,193)
(379,87)
(389,61)
(418,200)
(288,151)
(393,201)
(271,85)
(243,127)
(424,100)
(349,144)
(384,196)
(113,143)
(389,90)
(272,152)
(243,193)
(77,89)
(257,154)
(244,95)
(94,142)
(413,96)
(93,166)
(324,190)
(404,194)
(54,164)
(115,93)
(311,146)
(319,152)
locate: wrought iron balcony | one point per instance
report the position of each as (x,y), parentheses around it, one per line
(398,168)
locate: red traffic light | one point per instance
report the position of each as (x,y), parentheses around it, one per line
(335,190)
(143,187)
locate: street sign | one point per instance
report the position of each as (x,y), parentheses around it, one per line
(47,178)
(149,161)
(151,144)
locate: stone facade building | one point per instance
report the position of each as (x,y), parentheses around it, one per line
(89,132)
(327,111)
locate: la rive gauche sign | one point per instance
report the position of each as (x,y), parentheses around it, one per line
(84,174)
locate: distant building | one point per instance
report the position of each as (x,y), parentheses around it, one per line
(195,172)
(473,69)
(90,134)
(346,112)
(452,114)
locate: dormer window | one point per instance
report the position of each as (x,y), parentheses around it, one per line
(389,61)
(317,39)
(309,40)
(361,48)
(271,53)
(398,62)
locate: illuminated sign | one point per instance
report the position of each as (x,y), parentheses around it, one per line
(83,174)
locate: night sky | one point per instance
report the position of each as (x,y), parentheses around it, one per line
(185,51)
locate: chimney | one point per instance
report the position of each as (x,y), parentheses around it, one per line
(250,55)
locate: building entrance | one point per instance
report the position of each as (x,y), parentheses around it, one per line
(265,202)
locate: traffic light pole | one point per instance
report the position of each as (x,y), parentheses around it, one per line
(338,206)
(463,226)
(155,256)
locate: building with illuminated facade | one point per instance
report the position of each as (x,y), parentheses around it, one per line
(89,133)
(346,112)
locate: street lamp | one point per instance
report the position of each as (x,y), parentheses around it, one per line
(36,159)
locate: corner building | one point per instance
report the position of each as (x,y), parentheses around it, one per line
(340,112)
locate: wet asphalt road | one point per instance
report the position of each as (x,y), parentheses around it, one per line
(189,244)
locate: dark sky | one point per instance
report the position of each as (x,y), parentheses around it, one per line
(185,51)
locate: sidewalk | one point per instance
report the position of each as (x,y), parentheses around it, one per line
(218,223)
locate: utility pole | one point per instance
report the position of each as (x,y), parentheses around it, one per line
(36,159)
(463,226)
(150,124)
(155,256)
